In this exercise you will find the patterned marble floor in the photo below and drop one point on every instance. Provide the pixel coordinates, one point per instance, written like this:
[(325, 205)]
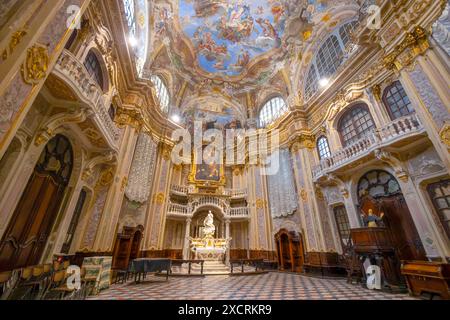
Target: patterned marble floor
[(270, 286)]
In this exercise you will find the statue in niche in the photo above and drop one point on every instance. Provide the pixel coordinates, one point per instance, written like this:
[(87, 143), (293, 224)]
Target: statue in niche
[(209, 229)]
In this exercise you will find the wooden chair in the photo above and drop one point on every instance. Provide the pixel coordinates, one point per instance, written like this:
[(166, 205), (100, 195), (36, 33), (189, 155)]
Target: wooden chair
[(21, 289), (87, 284), (58, 289)]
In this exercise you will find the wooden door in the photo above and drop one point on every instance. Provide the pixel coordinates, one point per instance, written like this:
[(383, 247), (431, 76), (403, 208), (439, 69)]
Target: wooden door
[(27, 233)]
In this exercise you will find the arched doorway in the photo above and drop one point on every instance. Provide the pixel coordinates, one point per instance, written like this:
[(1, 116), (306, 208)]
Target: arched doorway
[(290, 251), (380, 192), (27, 233)]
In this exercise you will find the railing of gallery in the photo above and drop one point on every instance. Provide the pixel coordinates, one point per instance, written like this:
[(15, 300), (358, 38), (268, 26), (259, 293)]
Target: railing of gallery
[(180, 189), (74, 72), (389, 133), (236, 193), (178, 209), (233, 193), (186, 210), (239, 212), (209, 201)]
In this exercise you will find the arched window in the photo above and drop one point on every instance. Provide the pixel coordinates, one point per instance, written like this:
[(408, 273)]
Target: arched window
[(161, 93), (271, 111), (94, 68), (323, 148), (396, 101), (331, 54), (355, 124)]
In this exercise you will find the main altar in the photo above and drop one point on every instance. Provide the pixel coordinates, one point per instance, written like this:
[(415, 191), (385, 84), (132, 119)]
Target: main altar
[(209, 248)]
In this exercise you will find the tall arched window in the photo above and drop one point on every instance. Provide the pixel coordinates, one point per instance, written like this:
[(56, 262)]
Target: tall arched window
[(355, 124), (331, 54), (161, 93), (396, 101), (271, 111), (323, 148), (94, 68)]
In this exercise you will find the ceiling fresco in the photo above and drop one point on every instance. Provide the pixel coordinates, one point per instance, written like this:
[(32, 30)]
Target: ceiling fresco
[(228, 34), (233, 40)]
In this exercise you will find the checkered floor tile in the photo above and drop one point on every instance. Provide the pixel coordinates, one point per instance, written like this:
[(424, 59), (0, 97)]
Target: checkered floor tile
[(270, 286)]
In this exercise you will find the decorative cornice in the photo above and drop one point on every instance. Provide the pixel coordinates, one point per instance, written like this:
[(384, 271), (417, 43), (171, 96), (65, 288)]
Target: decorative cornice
[(414, 44)]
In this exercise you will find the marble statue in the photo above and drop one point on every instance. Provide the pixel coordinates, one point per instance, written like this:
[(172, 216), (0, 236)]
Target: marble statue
[(209, 229)]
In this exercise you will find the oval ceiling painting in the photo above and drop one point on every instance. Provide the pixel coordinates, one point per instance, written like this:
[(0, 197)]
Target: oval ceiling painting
[(227, 35)]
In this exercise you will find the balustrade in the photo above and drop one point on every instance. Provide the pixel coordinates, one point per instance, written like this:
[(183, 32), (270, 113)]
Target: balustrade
[(387, 134), (73, 71)]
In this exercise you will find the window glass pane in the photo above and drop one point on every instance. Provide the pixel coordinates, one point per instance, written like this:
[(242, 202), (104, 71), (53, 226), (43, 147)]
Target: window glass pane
[(130, 15), (440, 195), (271, 111), (355, 124), (94, 69), (329, 57), (342, 223), (312, 83), (397, 101), (162, 93), (346, 30), (323, 148)]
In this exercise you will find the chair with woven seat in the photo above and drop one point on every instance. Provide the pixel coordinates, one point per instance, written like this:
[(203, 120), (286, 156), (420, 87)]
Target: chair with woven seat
[(58, 286)]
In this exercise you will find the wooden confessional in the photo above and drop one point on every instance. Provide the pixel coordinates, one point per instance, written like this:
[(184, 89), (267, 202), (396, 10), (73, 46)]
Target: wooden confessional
[(126, 247), (290, 250)]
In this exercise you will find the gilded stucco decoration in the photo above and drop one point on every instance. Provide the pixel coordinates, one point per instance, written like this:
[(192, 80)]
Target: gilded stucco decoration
[(35, 66)]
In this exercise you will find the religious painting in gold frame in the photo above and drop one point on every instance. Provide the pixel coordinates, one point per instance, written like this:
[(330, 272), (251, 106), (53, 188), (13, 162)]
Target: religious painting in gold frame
[(207, 174)]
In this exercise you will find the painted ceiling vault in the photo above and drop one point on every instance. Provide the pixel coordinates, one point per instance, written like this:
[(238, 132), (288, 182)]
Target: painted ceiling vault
[(228, 34)]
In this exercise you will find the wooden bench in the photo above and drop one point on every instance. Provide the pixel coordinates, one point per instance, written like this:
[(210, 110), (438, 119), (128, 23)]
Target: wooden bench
[(427, 277)]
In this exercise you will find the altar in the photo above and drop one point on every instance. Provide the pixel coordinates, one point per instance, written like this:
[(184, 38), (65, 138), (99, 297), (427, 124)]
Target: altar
[(209, 248)]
